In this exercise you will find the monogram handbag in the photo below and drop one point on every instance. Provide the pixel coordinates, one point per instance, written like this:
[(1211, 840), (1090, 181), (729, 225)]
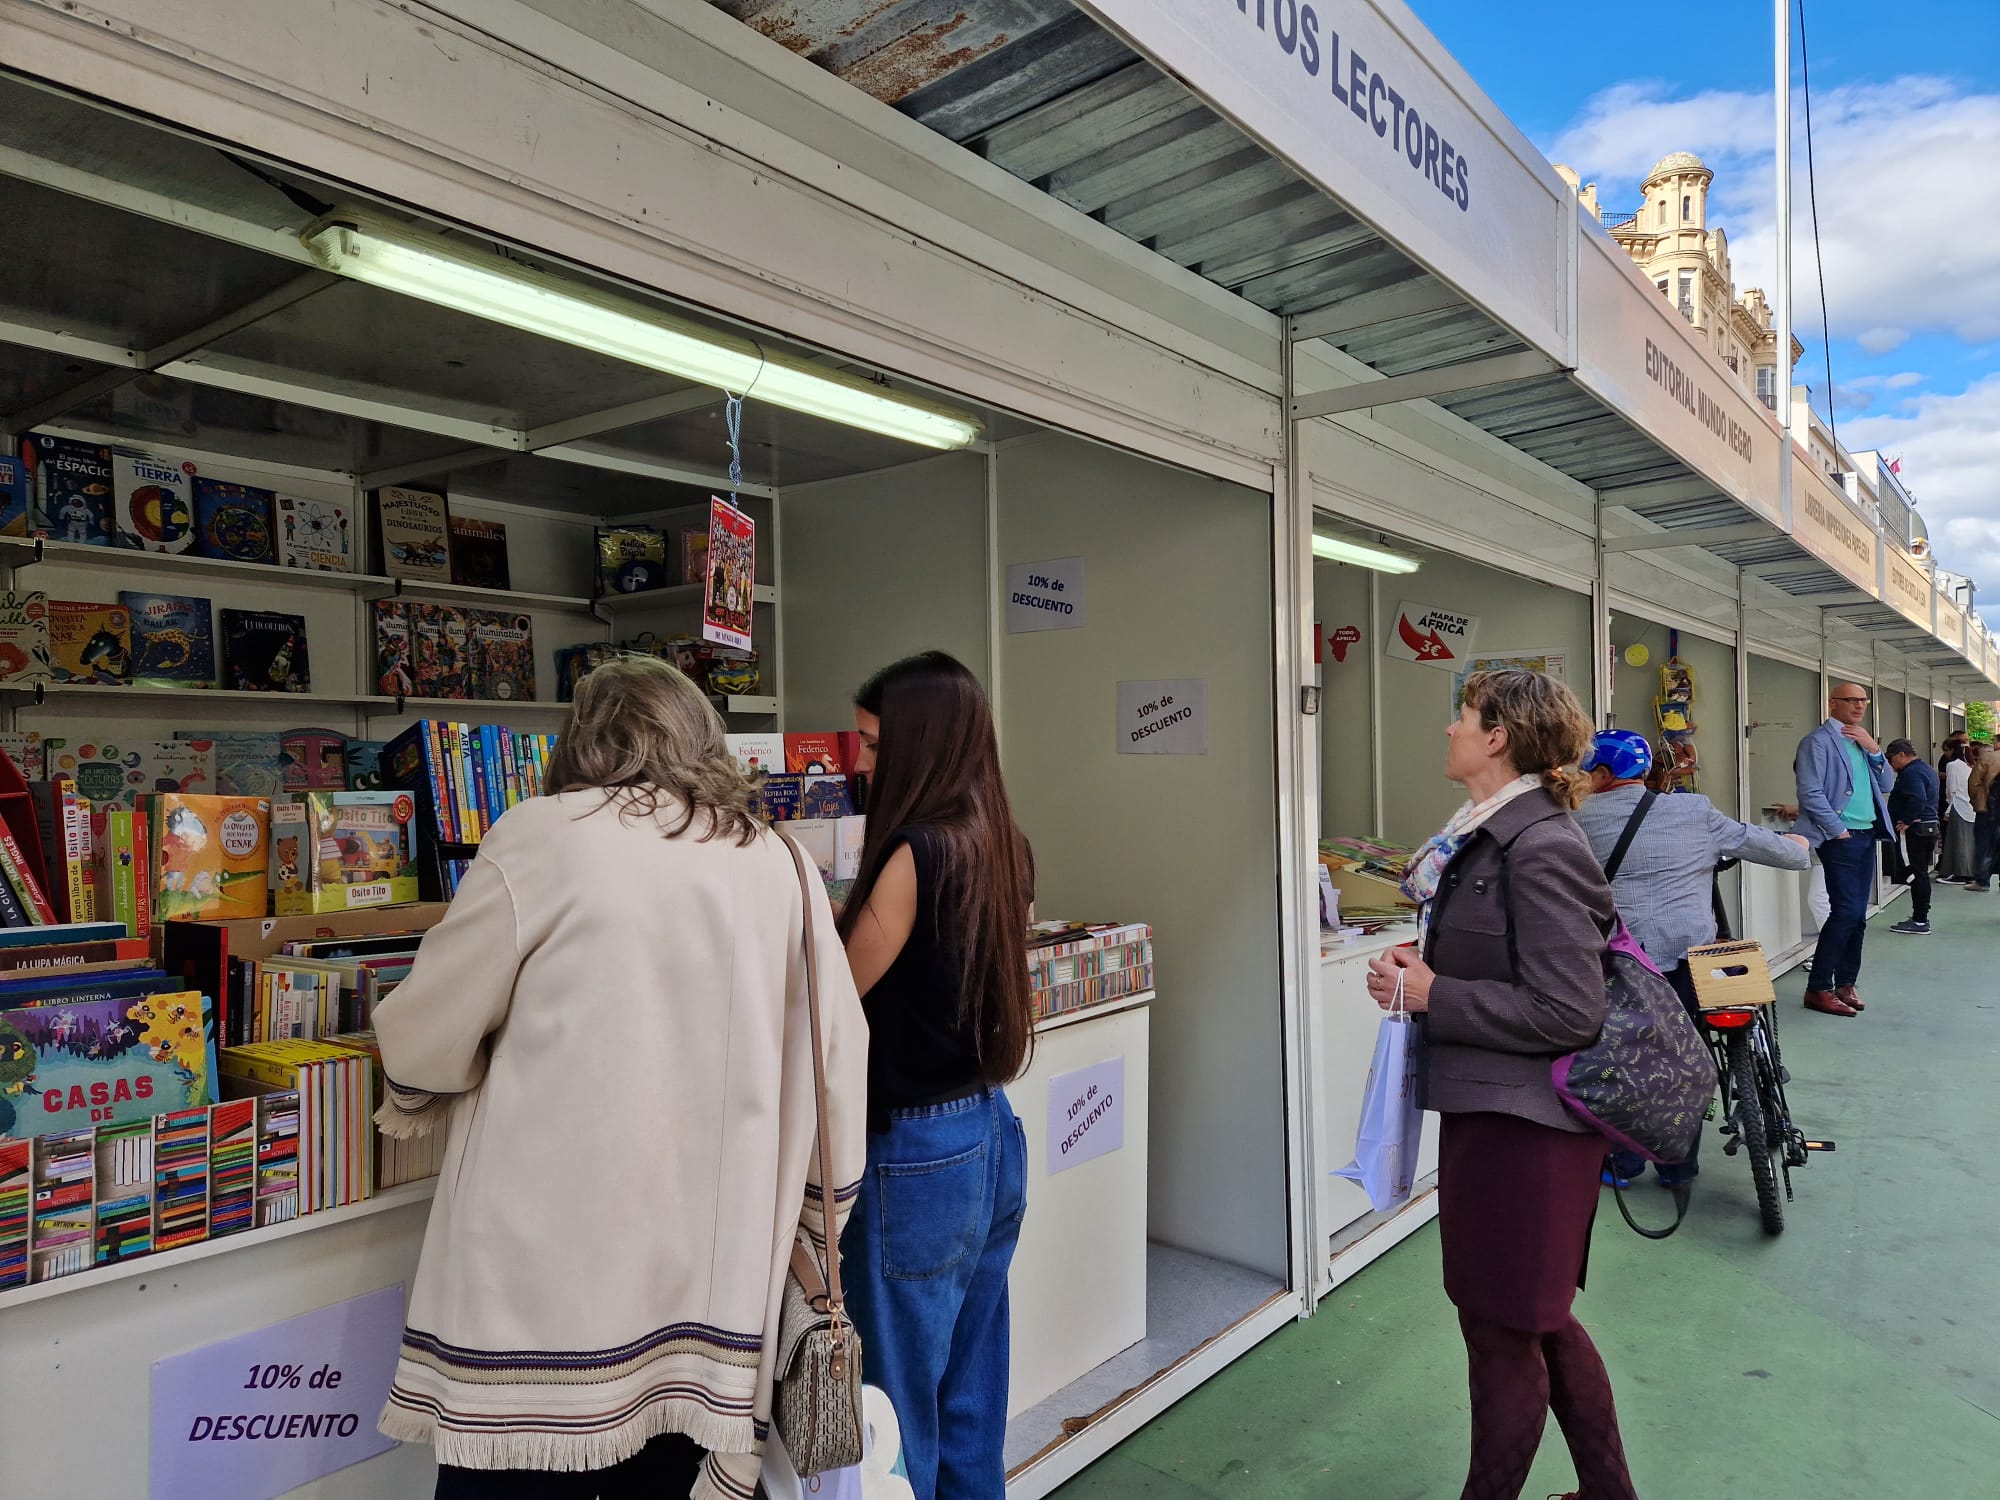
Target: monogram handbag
[(817, 1404)]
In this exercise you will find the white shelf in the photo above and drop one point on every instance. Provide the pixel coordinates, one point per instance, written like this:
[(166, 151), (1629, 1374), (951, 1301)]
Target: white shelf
[(679, 596), (412, 588), (18, 693), (145, 1265), (445, 708), (745, 706)]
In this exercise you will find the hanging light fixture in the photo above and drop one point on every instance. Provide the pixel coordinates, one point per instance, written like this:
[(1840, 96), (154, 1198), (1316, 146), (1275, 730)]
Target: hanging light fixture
[(435, 268), (1381, 559)]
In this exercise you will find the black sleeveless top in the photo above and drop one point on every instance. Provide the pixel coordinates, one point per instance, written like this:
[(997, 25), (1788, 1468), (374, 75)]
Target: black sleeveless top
[(922, 1049)]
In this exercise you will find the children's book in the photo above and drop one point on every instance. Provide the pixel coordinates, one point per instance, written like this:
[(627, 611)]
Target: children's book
[(694, 555), (780, 797), (155, 499), (24, 748), (758, 754), (442, 639), (115, 773), (315, 760), (825, 797), (416, 533), (246, 765), (395, 650), (124, 886), (173, 639), (503, 655), (362, 762), (24, 639), (233, 521), (316, 535), (265, 652), (73, 498), (630, 559), (343, 851), (106, 1061), (210, 856), (90, 642), (813, 754), (62, 818), (479, 553), (14, 493)]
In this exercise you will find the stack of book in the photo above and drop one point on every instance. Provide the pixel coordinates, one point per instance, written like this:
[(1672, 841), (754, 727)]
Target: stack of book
[(1073, 966), (336, 1090), (463, 777)]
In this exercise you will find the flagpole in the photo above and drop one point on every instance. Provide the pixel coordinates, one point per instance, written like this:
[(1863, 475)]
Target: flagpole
[(1783, 383)]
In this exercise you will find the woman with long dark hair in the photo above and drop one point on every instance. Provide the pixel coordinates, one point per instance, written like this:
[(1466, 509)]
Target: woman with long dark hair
[(936, 933)]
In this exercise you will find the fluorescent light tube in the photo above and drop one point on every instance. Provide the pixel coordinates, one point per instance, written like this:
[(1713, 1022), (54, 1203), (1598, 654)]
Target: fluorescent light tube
[(1339, 549), (429, 266)]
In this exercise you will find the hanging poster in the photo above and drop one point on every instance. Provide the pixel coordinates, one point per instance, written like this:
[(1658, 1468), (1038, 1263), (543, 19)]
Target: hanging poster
[(732, 575), (1435, 637)]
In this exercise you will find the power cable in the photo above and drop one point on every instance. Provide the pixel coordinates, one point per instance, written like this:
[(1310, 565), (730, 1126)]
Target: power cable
[(1819, 264)]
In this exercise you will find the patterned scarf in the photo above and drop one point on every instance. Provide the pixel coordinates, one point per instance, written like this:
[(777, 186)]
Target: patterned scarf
[(1428, 867)]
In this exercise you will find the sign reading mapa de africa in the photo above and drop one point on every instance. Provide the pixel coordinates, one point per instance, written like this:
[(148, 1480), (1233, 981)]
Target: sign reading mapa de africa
[(1436, 637)]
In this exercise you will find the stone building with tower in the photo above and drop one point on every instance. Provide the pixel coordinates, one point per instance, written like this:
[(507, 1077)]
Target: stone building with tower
[(1670, 239)]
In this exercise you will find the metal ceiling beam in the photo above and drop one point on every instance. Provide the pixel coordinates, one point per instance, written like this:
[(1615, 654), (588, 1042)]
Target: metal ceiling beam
[(1471, 375), (1697, 536), (1376, 308), (651, 468), (1661, 492), (631, 414), (424, 468), (73, 346), (343, 398), (106, 381)]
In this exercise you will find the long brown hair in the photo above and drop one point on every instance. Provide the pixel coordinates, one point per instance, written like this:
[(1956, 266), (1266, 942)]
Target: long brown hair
[(1547, 731), (938, 766), (648, 736)]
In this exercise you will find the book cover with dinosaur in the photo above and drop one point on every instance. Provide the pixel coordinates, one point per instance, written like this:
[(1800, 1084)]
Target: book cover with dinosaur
[(415, 527), (173, 640)]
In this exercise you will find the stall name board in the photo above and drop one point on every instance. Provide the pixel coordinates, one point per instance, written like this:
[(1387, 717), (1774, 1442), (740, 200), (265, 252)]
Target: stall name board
[(1348, 95), (1086, 1114), (1832, 532), (1909, 589), (1435, 637), (1681, 386), (1045, 596), (1163, 718), (265, 1412)]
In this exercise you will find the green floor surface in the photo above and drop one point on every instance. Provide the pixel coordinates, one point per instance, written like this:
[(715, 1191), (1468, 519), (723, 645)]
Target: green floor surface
[(1858, 1354)]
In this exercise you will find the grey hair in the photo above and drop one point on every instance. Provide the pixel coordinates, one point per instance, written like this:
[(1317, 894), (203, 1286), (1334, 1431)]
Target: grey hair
[(643, 732)]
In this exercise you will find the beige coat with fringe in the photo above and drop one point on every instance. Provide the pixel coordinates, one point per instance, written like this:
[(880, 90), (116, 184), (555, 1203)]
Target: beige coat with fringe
[(613, 1023)]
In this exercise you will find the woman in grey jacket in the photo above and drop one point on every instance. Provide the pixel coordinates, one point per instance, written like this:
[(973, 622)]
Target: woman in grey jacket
[(1507, 976)]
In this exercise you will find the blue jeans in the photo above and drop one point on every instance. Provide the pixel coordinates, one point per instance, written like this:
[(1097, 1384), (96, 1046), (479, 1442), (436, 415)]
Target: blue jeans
[(1850, 880), (925, 1257)]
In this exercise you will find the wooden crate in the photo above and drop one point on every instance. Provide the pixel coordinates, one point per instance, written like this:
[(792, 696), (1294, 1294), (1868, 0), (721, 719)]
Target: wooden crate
[(1728, 976)]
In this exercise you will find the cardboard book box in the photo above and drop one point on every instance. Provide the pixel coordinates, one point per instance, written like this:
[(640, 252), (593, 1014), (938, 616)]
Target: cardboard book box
[(343, 851)]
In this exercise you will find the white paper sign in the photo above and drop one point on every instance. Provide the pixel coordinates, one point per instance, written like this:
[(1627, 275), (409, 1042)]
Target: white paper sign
[(1163, 718), (1086, 1114), (1435, 637), (1045, 596)]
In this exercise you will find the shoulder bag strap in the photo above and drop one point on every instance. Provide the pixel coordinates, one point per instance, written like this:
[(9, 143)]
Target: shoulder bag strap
[(802, 1259), (1618, 852)]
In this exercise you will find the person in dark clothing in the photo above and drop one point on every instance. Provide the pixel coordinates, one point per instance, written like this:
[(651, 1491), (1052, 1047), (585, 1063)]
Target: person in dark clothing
[(1913, 809)]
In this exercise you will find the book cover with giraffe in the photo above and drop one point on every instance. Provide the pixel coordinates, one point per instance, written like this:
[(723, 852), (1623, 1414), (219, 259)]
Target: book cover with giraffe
[(173, 639)]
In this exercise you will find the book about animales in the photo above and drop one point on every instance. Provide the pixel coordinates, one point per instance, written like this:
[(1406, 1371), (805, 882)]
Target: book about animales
[(315, 760), (155, 499), (265, 652), (73, 498), (173, 639), (104, 1061), (90, 642), (479, 553), (246, 765), (416, 531), (316, 535), (24, 639), (233, 521), (211, 856), (503, 655)]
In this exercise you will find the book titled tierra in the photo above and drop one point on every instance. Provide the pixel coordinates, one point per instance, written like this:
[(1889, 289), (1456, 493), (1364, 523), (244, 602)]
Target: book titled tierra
[(479, 553)]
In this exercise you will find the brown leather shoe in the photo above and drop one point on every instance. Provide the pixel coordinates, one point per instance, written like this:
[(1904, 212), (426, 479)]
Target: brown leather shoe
[(1827, 1003), (1848, 996)]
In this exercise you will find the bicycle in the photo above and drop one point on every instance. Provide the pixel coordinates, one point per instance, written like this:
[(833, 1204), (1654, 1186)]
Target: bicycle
[(1740, 1022)]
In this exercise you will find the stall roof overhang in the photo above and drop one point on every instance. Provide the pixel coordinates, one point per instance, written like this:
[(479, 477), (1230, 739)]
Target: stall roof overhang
[(1110, 107)]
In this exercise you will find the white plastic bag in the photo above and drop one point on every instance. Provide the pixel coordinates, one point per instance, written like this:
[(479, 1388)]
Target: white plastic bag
[(1385, 1147), (881, 1474), (1817, 900)]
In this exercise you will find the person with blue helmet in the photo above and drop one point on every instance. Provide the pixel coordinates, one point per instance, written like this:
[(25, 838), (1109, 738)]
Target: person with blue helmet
[(1665, 884)]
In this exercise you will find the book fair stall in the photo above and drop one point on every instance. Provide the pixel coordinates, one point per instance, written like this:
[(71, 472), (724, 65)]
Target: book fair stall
[(285, 634), (369, 372)]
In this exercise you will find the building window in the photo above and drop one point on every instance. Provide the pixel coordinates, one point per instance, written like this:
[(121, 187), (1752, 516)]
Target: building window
[(1687, 210), (1767, 385), (1662, 285), (1687, 295), (1663, 211)]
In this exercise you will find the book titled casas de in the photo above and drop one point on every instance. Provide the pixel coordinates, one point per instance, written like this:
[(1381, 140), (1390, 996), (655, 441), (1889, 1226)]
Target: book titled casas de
[(109, 1060), (90, 641), (479, 553), (155, 502), (316, 535), (264, 651), (173, 639), (72, 499), (416, 531), (233, 521)]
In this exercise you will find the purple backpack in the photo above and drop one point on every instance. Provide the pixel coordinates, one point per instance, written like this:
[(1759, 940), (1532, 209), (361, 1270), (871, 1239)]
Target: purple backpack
[(1644, 1084)]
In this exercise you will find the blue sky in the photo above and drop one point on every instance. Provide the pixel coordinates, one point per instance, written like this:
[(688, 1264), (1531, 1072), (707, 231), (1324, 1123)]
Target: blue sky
[(1906, 117)]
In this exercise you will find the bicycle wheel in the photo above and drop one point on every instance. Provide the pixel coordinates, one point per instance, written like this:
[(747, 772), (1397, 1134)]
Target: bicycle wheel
[(1753, 1127)]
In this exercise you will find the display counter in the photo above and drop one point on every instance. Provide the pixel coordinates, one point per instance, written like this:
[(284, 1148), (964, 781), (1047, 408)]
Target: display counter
[(1078, 1283)]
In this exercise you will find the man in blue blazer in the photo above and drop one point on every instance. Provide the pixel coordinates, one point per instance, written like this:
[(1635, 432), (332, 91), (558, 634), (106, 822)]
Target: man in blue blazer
[(1843, 780)]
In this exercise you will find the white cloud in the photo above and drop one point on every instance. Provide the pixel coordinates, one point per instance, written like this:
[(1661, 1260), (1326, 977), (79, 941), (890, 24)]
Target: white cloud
[(1950, 446), (1906, 195)]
